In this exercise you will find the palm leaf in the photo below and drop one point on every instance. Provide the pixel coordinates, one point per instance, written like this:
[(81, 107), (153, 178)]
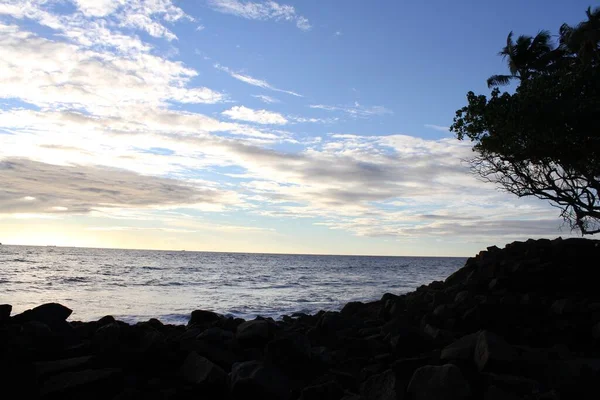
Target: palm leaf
[(499, 80)]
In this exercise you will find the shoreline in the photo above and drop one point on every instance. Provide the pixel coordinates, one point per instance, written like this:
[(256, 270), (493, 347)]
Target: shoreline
[(518, 322)]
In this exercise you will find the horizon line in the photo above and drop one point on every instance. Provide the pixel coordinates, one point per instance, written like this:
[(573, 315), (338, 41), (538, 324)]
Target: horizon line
[(234, 252)]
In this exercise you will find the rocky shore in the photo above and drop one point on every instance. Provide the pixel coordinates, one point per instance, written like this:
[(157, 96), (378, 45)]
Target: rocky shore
[(521, 322)]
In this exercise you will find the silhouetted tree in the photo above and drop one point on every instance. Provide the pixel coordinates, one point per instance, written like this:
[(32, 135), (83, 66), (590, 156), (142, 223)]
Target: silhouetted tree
[(543, 140)]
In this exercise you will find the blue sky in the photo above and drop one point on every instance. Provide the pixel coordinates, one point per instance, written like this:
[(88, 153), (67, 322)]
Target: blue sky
[(228, 125)]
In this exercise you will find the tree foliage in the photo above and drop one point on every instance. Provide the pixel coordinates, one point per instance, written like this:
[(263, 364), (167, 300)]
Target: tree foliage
[(543, 140)]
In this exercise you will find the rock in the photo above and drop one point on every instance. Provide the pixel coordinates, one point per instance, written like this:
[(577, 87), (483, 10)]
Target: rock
[(495, 393), (492, 351), (382, 386), (81, 384), (291, 352), (107, 319), (203, 317), (222, 356), (5, 310), (462, 349), (596, 331), (107, 337), (325, 391), (254, 332), (198, 370), (444, 382), (333, 322), (45, 368), (51, 314), (351, 308), (254, 380), (518, 385), (562, 306), (216, 335)]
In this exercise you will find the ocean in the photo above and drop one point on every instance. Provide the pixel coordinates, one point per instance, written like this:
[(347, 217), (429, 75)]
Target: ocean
[(136, 285)]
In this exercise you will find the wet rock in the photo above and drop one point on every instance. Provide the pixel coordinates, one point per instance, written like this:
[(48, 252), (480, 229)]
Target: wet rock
[(444, 382), (382, 386), (199, 370), (493, 352)]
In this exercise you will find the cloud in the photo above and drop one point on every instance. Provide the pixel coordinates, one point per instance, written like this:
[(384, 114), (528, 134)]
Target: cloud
[(265, 117), (355, 110), (200, 28), (438, 127), (261, 11), (253, 81), (266, 99), (81, 189), (67, 75)]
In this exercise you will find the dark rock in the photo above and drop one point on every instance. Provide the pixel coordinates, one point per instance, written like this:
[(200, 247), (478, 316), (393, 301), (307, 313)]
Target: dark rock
[(107, 319), (495, 393), (562, 306), (203, 317), (325, 391), (351, 308), (513, 384), (107, 337), (51, 314), (383, 386), (462, 349), (596, 331), (198, 370), (45, 368), (90, 383), (253, 379), (492, 351), (444, 382), (222, 356), (254, 332), (292, 352), (5, 310), (216, 335)]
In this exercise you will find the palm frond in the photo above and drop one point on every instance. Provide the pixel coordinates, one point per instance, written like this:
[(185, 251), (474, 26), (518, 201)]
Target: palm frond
[(499, 80)]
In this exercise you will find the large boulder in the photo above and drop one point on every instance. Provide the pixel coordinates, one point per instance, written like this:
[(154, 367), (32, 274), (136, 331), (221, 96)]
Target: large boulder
[(445, 382), (89, 383), (254, 333), (255, 380), (203, 318), (382, 386), (199, 370), (291, 352), (492, 352)]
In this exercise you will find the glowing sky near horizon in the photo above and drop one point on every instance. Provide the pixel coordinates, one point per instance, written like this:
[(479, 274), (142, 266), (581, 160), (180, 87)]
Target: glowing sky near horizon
[(227, 125)]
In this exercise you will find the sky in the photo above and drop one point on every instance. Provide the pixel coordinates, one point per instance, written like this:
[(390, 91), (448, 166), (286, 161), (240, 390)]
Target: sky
[(308, 126)]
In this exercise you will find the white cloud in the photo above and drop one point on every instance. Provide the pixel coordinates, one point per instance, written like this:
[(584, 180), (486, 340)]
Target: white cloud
[(261, 11), (253, 81), (356, 110), (266, 99), (63, 74), (242, 113), (200, 28)]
